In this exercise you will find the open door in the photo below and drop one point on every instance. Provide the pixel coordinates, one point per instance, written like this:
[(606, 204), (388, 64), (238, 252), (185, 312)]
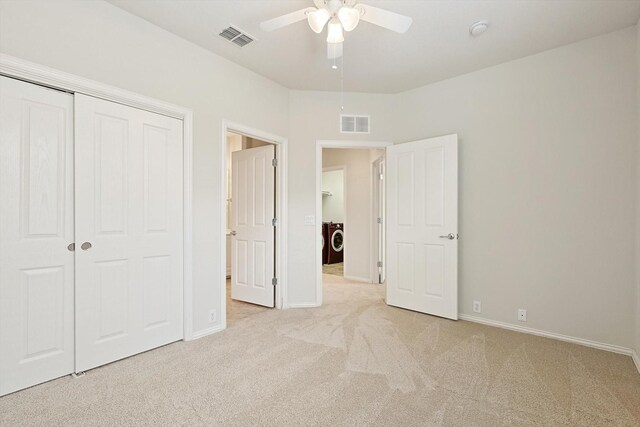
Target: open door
[(422, 226), (253, 237)]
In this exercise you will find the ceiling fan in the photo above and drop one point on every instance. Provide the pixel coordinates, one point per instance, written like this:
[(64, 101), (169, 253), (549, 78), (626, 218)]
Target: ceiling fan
[(340, 15)]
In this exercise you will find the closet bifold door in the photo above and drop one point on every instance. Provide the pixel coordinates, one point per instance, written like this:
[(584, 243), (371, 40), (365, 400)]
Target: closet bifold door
[(36, 226), (129, 232)]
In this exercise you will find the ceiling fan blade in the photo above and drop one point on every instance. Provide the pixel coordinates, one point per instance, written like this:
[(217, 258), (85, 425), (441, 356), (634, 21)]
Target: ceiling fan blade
[(334, 50), (284, 20), (384, 18)]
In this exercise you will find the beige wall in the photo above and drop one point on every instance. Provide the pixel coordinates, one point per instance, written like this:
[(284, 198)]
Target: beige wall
[(358, 223), (547, 184), (96, 40)]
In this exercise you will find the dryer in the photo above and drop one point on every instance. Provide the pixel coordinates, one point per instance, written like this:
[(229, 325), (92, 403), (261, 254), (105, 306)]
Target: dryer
[(335, 244)]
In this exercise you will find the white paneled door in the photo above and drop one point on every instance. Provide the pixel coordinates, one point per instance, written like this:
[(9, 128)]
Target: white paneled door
[(253, 192), (422, 226), (36, 225), (128, 191)]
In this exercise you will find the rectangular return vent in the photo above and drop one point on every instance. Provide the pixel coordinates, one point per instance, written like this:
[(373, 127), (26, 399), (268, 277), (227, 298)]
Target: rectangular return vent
[(354, 123), (236, 36)]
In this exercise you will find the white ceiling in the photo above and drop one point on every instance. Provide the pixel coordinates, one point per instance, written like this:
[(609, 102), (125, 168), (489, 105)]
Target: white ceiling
[(436, 47)]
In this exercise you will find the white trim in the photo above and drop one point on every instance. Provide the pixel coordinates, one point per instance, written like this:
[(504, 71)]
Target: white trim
[(304, 305), (24, 70), (282, 195), (531, 331), (376, 196), (320, 144), (208, 331), (358, 279), (636, 360), (29, 71)]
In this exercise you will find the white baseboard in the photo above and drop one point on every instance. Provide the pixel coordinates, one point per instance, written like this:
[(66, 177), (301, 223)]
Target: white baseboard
[(304, 305), (357, 279), (636, 360), (553, 335), (208, 331)]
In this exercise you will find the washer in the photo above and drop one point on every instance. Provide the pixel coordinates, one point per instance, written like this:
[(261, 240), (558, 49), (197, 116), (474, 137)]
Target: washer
[(335, 245)]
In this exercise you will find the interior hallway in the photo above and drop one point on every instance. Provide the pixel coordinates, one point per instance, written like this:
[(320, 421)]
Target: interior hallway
[(354, 361)]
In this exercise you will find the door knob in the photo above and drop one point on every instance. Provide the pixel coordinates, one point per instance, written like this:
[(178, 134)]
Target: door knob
[(85, 246), (233, 232), (449, 236), (71, 247)]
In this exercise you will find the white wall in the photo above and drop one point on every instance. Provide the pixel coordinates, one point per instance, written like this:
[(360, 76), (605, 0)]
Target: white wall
[(315, 116), (96, 40), (358, 183), (547, 184), (333, 203), (637, 313), (548, 157)]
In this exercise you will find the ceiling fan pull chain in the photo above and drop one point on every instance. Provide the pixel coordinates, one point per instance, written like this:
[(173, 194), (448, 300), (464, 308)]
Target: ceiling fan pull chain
[(342, 81)]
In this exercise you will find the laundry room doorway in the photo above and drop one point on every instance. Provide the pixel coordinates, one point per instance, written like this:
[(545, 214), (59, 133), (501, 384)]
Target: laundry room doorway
[(347, 228)]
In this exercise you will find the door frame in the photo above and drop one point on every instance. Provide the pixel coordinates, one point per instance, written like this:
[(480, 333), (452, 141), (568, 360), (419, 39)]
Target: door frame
[(330, 143), (281, 203), (20, 69), (377, 200)]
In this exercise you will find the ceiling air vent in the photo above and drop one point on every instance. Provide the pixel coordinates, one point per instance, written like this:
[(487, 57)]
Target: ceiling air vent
[(354, 124), (236, 36)]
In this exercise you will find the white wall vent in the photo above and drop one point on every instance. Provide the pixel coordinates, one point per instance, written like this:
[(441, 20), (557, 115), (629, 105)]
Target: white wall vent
[(236, 36), (350, 123)]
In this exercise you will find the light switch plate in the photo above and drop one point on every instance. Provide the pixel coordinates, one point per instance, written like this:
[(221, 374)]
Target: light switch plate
[(309, 220)]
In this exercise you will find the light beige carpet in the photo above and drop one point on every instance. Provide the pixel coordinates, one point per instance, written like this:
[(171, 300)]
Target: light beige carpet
[(355, 361)]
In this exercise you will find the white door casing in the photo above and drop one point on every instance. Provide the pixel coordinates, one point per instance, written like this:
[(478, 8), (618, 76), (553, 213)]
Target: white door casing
[(129, 199), (253, 244), (36, 225), (379, 205), (422, 213)]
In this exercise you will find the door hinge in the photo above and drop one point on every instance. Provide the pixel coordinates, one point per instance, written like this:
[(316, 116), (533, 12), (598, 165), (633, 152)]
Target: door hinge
[(379, 220), (379, 264), (274, 163), (274, 222), (274, 281)]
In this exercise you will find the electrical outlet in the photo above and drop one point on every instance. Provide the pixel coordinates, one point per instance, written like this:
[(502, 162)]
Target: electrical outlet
[(212, 316), (477, 307), (522, 315)]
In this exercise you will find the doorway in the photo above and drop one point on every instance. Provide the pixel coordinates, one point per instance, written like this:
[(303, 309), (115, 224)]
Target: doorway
[(250, 236), (253, 200), (346, 215)]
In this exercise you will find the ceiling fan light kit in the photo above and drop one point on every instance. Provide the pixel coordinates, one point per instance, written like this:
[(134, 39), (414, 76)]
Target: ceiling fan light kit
[(349, 17), (339, 15), (334, 31), (317, 19)]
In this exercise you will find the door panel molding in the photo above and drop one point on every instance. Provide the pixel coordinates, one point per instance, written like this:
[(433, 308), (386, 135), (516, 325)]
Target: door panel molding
[(281, 264), (422, 211), (42, 75)]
